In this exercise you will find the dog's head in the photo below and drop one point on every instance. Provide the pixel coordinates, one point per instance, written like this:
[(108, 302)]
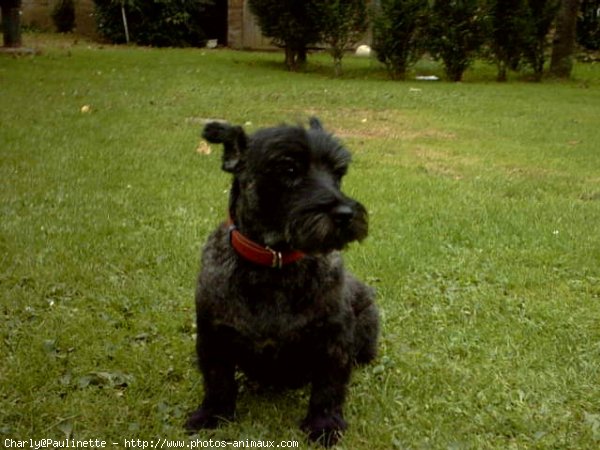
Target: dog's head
[(286, 192)]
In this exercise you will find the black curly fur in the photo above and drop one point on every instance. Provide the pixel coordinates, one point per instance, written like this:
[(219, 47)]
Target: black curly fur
[(308, 322)]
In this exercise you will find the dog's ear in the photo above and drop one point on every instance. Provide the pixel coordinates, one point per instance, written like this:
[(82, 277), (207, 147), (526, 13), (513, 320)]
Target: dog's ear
[(315, 124), (234, 142)]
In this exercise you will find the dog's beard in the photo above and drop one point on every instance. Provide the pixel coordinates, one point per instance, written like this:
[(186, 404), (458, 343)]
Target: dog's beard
[(315, 232)]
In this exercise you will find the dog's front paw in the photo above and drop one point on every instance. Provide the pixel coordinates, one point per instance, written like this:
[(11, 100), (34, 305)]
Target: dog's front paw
[(203, 418), (324, 429)]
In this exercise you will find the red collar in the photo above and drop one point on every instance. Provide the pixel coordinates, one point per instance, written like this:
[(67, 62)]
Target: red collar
[(256, 253)]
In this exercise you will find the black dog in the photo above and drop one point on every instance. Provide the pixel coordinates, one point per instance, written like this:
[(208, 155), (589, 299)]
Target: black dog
[(273, 299)]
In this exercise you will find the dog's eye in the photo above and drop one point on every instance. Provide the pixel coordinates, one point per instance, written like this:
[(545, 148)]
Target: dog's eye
[(288, 167)]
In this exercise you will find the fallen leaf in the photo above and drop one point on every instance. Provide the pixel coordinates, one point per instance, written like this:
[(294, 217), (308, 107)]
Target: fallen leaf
[(204, 148)]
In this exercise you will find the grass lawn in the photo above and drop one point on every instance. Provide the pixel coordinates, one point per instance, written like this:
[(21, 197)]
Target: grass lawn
[(484, 201)]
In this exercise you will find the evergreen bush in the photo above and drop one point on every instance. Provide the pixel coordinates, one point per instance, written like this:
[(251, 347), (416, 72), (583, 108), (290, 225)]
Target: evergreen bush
[(397, 40), (507, 34), (342, 24), (541, 15), (455, 34), (291, 24)]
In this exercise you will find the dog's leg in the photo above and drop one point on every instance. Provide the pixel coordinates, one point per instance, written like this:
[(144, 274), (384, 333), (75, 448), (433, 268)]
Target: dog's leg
[(220, 393), (325, 422), (367, 319), (366, 334)]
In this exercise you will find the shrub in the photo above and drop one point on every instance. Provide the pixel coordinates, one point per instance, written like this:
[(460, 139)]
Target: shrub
[(507, 31), (160, 23), (518, 33), (395, 34), (342, 24), (455, 34), (291, 24), (541, 15), (63, 16)]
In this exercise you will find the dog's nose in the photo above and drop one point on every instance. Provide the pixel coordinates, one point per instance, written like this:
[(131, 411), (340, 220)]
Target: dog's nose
[(342, 215)]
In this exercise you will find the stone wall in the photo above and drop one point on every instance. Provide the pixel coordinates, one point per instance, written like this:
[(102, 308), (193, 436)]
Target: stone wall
[(243, 31), (235, 22)]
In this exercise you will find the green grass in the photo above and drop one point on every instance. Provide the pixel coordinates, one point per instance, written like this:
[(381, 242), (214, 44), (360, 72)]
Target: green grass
[(484, 246)]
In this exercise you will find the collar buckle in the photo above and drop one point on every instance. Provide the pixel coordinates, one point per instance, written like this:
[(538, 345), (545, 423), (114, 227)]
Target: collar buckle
[(277, 262)]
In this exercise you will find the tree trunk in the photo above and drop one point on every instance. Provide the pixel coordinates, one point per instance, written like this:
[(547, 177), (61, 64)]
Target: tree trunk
[(125, 25), (295, 58), (502, 72), (290, 58), (564, 42), (302, 56), (538, 66), (337, 67), (337, 53)]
